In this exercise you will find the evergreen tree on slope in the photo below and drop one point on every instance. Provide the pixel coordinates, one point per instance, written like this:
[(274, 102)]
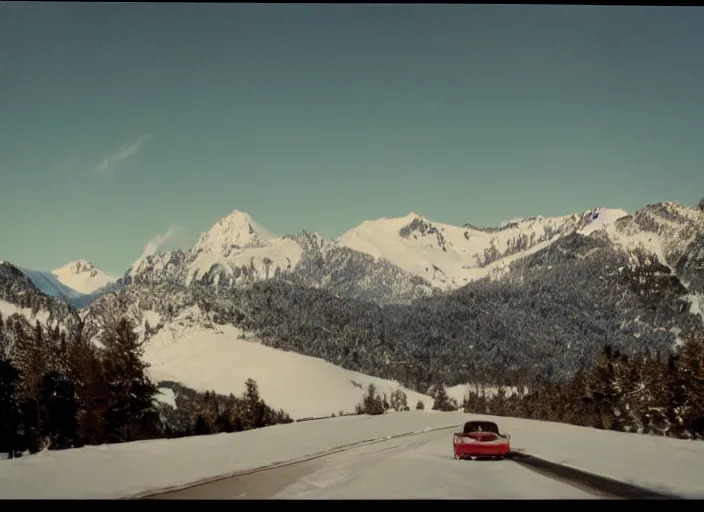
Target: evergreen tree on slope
[(86, 370), (131, 414)]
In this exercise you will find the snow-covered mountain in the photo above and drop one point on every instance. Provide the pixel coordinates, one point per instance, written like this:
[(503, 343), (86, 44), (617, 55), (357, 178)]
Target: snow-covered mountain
[(19, 295), (237, 251), (394, 260), (82, 276), (636, 277), (670, 234), (236, 248), (451, 256), (385, 260), (539, 293), (78, 283), (49, 284)]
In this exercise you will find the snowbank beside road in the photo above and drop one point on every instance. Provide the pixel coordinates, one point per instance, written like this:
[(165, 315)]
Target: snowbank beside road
[(674, 466)]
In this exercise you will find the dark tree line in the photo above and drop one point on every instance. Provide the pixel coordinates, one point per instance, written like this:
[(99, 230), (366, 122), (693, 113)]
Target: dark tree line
[(373, 403), (644, 393), (59, 390), (211, 413)]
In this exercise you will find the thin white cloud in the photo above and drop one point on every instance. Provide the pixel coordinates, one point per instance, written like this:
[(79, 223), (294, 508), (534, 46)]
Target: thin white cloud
[(157, 242), (106, 166)]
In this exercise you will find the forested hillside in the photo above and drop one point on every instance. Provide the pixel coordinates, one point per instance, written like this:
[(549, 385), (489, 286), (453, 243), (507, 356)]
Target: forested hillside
[(59, 390), (646, 393), (550, 316)]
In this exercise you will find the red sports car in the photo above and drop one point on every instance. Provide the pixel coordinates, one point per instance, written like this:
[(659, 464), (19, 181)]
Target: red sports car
[(480, 439)]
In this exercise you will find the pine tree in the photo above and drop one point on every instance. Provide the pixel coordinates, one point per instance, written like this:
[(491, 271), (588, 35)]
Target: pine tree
[(93, 398), (4, 344), (498, 402), (63, 347), (399, 401), (53, 340), (253, 414), (676, 397), (131, 414), (607, 390), (32, 361), (87, 372), (420, 405), (654, 414), (31, 356), (59, 406), (690, 369), (9, 408), (201, 427), (441, 400), (223, 422), (371, 402), (209, 409)]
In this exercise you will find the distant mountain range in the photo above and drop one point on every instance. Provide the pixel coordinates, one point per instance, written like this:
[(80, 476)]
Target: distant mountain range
[(384, 260), (78, 282), (409, 298)]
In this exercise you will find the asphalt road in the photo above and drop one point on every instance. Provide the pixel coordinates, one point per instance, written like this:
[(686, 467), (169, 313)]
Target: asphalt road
[(419, 466)]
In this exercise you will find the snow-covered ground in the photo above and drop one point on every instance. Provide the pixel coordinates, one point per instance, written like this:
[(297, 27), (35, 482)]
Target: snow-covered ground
[(668, 465), (674, 466), (216, 360), (405, 467), (414, 467)]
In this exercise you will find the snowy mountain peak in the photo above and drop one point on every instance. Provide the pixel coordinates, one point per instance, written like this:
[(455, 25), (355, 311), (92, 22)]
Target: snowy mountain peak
[(82, 276), (234, 231), (600, 218), (76, 267)]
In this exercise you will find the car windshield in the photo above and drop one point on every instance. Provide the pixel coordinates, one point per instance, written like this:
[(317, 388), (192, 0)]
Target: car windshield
[(480, 426)]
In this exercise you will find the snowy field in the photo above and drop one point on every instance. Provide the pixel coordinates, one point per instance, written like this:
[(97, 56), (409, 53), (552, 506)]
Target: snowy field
[(206, 360), (217, 360), (666, 465)]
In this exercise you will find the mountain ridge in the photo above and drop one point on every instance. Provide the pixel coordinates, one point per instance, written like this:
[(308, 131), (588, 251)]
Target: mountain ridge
[(77, 282), (237, 251), (545, 305)]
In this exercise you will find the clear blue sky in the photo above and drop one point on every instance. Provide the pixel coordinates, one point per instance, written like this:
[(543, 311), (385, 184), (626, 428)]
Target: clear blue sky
[(118, 121)]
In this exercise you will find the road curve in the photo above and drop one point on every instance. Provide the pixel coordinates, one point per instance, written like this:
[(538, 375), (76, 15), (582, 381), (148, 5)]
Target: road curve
[(419, 466)]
